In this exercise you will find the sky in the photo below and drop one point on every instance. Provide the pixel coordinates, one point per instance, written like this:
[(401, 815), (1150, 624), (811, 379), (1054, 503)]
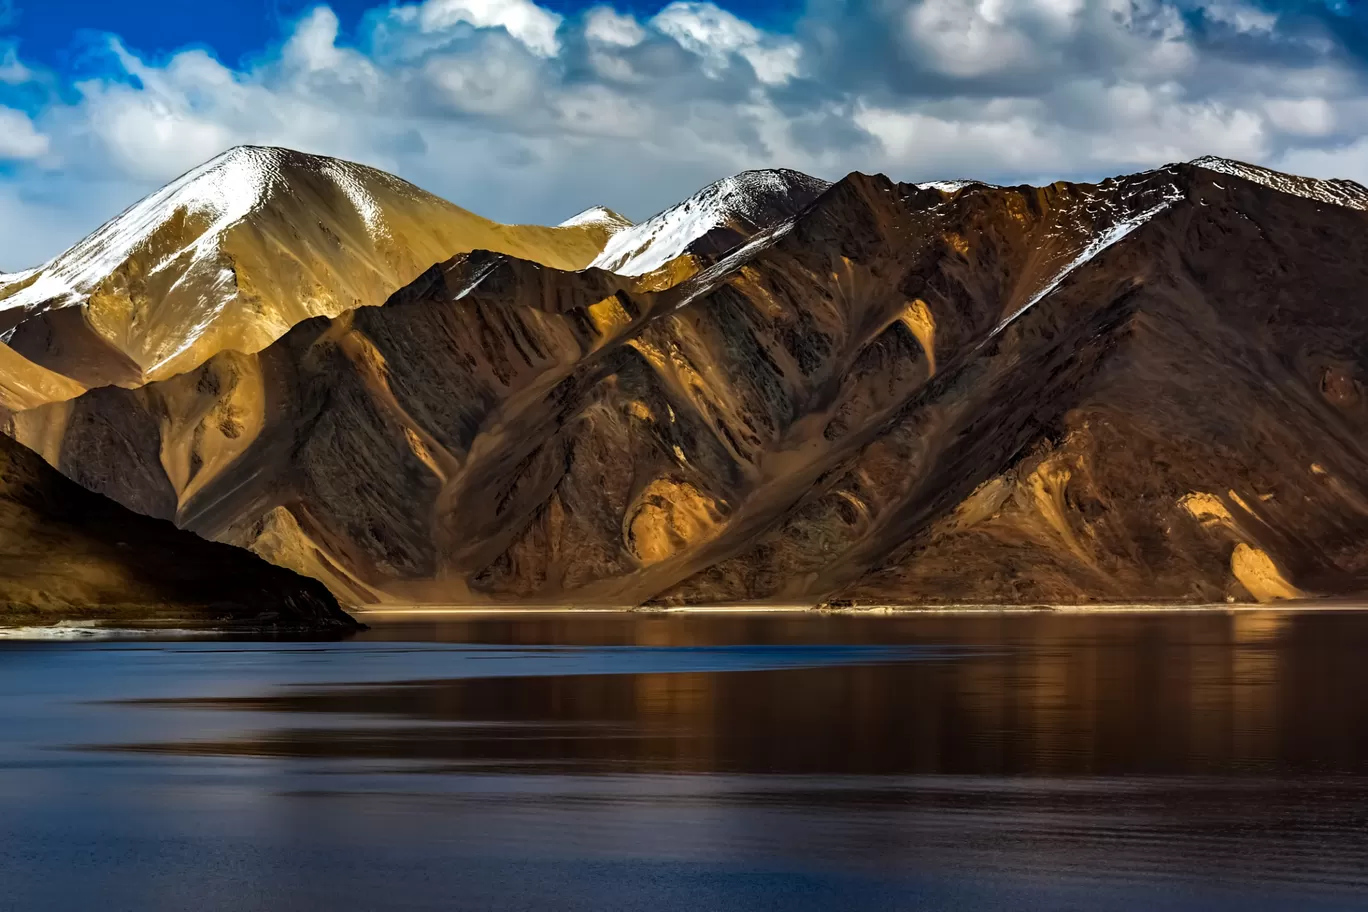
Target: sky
[(532, 111)]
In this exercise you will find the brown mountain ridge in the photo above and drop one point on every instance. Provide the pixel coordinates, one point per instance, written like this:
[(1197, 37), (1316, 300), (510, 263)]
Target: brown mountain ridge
[(1144, 390)]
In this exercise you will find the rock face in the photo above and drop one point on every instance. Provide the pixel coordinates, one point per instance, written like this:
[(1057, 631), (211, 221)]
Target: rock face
[(232, 255), (67, 553), (1145, 390)]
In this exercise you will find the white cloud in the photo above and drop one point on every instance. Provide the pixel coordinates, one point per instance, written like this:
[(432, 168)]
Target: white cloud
[(18, 137), (313, 49), (1301, 116), (605, 25), (958, 148), (715, 34), (1241, 17), (600, 112), (494, 80), (964, 37), (175, 118), (518, 113), (970, 39), (524, 20)]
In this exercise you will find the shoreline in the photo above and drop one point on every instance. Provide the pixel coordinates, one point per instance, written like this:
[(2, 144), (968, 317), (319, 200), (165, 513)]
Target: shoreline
[(79, 629), (85, 629), (1289, 607)]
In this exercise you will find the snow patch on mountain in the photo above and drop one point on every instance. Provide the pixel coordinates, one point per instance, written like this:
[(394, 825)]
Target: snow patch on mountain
[(762, 241), (709, 279), (14, 278), (951, 186), (345, 175), (474, 281), (225, 190), (1334, 191), (658, 240), (598, 215), (216, 297), (1095, 246)]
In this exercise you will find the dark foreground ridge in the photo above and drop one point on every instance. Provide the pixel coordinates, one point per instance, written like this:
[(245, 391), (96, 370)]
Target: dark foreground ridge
[(69, 554)]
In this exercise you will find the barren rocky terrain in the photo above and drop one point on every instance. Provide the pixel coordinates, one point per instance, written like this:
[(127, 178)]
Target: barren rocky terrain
[(1144, 390)]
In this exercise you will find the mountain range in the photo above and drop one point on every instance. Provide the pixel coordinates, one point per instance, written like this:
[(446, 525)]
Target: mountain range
[(234, 253), (1146, 390)]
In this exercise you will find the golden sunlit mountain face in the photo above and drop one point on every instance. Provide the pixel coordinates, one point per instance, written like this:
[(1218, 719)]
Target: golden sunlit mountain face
[(232, 255), (1143, 390)]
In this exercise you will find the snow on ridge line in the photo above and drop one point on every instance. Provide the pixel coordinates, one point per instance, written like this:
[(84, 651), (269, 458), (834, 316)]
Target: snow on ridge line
[(343, 174), (707, 280), (226, 189), (1336, 191), (14, 278), (650, 245), (950, 186), (1094, 247)]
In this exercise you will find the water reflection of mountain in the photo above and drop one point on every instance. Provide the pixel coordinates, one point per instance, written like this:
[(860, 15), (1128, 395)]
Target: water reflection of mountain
[(1040, 695)]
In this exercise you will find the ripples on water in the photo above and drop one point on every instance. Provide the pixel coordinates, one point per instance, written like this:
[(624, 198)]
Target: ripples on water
[(1190, 761)]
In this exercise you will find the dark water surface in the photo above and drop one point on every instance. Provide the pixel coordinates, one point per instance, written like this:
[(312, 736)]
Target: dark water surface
[(697, 762)]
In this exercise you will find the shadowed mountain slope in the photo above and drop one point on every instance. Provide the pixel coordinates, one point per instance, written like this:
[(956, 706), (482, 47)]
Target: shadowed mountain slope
[(1148, 389), (68, 553)]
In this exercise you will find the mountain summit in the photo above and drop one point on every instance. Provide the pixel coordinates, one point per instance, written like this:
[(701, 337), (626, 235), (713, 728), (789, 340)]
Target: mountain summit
[(230, 256), (713, 220), (1334, 191)]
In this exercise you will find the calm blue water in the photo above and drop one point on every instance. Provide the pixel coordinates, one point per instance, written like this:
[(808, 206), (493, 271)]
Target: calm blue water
[(606, 762)]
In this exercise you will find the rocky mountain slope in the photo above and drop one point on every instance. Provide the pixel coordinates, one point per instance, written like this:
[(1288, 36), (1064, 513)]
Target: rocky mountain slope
[(1148, 389), (66, 553), (714, 220), (230, 256)]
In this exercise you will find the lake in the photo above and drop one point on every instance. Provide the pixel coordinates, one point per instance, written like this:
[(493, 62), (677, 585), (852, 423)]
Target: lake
[(1133, 761)]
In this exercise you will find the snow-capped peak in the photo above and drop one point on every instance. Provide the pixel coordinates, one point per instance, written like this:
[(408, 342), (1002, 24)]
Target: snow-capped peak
[(224, 190), (598, 215), (755, 198), (1336, 192)]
